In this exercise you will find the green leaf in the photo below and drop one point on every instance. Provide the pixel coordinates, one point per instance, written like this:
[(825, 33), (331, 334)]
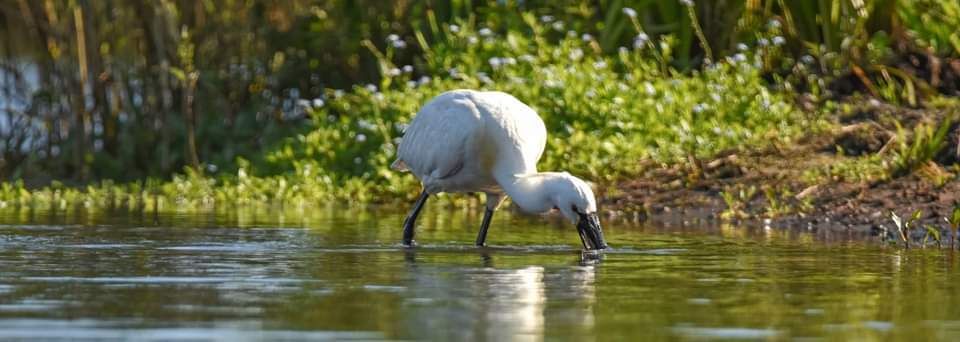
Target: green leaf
[(178, 73), (916, 215), (933, 231), (955, 216)]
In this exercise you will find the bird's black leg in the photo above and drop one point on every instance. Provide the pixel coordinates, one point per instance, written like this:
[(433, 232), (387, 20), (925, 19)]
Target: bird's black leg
[(493, 201), (411, 220), (482, 235)]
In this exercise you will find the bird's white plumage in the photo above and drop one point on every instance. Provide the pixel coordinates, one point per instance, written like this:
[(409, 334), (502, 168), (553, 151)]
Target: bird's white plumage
[(458, 140), (471, 141)]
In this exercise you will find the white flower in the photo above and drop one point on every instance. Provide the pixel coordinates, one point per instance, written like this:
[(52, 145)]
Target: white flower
[(338, 93), (411, 84), (630, 12), (742, 47), (778, 40), (372, 88), (807, 59), (407, 68), (357, 160), (649, 88), (622, 49), (393, 72), (482, 76), (640, 41), (423, 80), (472, 40), (546, 19), (393, 37), (509, 60), (303, 103), (318, 102), (366, 125), (739, 57), (528, 58), (773, 24), (494, 62), (454, 28), (686, 2), (361, 137), (485, 32), (557, 26), (399, 44), (763, 42), (600, 64), (699, 108), (576, 54), (586, 37)]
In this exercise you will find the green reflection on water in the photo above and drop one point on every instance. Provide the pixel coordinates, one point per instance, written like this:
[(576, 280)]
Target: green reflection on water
[(340, 273)]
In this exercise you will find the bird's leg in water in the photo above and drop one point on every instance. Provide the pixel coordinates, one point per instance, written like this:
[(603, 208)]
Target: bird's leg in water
[(493, 201), (482, 235), (411, 220)]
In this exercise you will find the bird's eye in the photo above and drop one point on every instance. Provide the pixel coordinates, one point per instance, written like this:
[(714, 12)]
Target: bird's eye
[(576, 210)]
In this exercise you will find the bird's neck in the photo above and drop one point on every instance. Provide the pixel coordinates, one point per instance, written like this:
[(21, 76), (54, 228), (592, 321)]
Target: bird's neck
[(531, 192)]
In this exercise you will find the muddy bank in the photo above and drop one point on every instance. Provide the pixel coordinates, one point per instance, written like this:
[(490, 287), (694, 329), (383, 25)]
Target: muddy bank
[(846, 178)]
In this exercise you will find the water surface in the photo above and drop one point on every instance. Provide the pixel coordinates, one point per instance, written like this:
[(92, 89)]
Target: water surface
[(337, 273)]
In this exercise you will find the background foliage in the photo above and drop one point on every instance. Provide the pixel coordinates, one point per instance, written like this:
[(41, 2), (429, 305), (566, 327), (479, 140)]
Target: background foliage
[(305, 100)]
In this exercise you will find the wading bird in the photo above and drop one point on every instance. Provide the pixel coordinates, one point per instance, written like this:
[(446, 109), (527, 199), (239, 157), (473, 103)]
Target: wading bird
[(472, 141)]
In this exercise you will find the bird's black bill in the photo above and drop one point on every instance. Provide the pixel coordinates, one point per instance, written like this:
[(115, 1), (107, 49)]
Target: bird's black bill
[(590, 233)]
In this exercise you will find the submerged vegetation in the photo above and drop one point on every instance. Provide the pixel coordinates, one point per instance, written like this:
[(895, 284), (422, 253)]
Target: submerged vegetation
[(304, 102)]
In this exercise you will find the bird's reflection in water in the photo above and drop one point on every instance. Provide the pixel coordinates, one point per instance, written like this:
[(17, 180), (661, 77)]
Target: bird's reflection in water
[(456, 302)]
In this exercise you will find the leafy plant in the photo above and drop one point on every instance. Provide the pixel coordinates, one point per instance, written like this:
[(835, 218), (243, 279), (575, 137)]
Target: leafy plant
[(954, 222), (904, 227), (779, 202), (737, 201), (931, 231), (936, 24), (925, 145)]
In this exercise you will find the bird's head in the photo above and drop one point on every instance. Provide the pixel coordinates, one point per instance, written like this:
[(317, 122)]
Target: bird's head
[(574, 198)]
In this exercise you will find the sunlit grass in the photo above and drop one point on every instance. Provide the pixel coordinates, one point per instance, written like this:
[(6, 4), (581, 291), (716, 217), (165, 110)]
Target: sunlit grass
[(604, 114)]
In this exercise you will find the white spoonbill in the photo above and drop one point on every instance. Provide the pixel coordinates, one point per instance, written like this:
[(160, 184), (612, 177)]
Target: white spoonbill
[(473, 141)]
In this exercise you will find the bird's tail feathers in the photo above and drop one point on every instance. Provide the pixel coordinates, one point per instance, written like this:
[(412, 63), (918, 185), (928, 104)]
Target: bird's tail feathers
[(399, 165)]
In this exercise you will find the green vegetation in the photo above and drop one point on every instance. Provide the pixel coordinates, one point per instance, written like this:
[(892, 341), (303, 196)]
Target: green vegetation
[(930, 231), (954, 222), (926, 144), (297, 103), (904, 227), (737, 201)]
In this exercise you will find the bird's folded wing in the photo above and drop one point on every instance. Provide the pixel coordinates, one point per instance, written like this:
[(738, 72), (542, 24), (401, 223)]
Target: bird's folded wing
[(437, 140)]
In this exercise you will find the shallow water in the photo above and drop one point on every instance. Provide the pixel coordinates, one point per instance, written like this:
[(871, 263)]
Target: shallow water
[(340, 274)]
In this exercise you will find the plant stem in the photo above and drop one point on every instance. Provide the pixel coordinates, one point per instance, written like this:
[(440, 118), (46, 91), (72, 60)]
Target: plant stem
[(691, 11)]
